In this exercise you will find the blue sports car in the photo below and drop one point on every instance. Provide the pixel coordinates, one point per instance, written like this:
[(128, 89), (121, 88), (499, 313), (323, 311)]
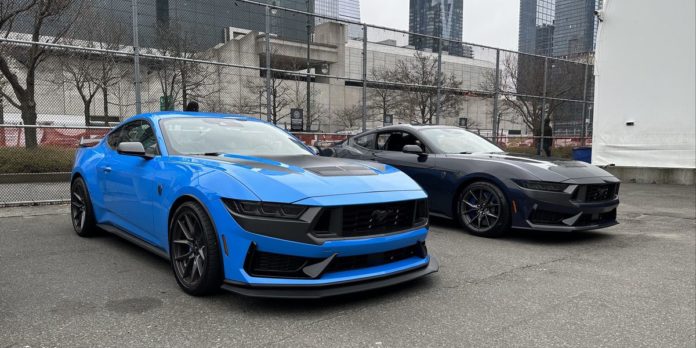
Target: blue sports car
[(238, 203)]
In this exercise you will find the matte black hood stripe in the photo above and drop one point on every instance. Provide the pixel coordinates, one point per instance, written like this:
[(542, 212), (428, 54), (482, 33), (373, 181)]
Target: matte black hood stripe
[(323, 166)]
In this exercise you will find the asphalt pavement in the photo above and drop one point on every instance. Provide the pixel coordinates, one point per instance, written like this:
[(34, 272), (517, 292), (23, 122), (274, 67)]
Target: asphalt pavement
[(626, 286)]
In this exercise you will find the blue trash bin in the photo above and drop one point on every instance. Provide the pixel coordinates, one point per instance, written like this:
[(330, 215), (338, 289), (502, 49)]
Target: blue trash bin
[(583, 153)]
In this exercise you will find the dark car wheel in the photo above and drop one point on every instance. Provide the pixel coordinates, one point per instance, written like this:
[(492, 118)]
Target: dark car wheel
[(194, 252), (483, 210), (81, 212)]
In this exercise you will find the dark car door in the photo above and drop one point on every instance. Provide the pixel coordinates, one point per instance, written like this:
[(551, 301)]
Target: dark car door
[(127, 181), (360, 147), (421, 168)]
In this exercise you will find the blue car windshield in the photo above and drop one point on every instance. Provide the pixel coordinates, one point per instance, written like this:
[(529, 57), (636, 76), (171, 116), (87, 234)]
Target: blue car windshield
[(457, 140), (214, 136)]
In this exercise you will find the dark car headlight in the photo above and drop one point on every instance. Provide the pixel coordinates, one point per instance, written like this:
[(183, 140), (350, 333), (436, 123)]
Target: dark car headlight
[(265, 209), (542, 185)]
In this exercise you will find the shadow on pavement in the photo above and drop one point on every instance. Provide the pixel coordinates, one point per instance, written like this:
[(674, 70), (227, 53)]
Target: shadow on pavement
[(529, 236)]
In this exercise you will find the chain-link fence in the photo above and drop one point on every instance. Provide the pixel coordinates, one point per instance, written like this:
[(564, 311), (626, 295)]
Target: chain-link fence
[(74, 68)]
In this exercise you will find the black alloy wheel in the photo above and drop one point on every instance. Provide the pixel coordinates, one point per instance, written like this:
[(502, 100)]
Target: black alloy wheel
[(81, 213), (483, 210), (194, 252)]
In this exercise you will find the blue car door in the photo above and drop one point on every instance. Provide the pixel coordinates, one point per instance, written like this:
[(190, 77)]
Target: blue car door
[(128, 181)]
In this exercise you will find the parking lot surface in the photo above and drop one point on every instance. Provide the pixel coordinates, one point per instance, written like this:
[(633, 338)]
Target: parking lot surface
[(629, 285)]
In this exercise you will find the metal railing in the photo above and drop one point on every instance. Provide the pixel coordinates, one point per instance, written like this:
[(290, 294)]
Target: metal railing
[(100, 62)]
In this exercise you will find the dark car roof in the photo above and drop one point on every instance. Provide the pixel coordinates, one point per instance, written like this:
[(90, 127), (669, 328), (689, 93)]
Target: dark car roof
[(405, 127)]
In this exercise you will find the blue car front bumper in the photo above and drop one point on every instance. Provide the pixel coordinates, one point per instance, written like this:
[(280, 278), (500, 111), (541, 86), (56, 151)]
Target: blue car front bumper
[(267, 266), (319, 290)]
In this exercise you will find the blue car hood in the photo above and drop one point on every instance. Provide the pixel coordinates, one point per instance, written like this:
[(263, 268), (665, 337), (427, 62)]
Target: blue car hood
[(289, 179)]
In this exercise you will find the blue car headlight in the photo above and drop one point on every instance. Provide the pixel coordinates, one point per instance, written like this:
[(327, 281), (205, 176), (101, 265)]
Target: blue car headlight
[(541, 185), (265, 209)]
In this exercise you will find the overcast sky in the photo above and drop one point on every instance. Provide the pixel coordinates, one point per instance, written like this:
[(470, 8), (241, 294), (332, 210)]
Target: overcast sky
[(487, 22)]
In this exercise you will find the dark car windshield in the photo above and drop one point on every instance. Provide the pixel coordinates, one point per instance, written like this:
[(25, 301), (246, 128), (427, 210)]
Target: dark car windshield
[(457, 140), (211, 135)]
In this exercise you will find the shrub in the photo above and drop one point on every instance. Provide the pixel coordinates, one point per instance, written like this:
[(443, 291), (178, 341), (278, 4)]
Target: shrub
[(39, 160)]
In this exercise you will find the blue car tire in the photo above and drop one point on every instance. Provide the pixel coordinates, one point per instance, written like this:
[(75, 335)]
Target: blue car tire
[(194, 251), (81, 212)]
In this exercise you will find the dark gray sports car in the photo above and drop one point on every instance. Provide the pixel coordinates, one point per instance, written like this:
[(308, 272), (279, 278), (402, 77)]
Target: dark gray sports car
[(469, 179)]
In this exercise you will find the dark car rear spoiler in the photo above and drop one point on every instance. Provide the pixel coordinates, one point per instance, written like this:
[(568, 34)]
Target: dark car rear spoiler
[(89, 142)]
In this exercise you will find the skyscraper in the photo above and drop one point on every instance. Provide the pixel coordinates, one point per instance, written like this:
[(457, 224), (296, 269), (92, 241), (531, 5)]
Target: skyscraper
[(341, 9), (558, 28), (441, 18)]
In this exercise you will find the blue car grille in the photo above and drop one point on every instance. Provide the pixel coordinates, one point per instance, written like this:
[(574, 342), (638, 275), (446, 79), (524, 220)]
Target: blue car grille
[(371, 219), (265, 264)]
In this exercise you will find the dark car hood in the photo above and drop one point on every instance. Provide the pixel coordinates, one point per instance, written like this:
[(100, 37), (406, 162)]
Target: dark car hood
[(292, 178), (545, 168)]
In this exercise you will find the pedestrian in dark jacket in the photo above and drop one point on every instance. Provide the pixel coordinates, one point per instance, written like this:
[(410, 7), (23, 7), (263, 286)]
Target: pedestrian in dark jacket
[(191, 106), (547, 140)]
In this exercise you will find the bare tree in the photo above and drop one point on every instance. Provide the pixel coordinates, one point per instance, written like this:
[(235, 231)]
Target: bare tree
[(111, 36), (79, 70), (3, 84), (382, 99), (522, 87), (349, 117), (17, 62), (420, 96), (181, 78), (317, 111), (280, 97)]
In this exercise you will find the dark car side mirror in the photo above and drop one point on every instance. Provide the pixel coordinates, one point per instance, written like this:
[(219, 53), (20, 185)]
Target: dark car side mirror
[(133, 149), (414, 149)]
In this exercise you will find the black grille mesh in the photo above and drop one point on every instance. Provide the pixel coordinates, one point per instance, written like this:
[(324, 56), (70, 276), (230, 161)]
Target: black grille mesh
[(264, 264), (360, 220)]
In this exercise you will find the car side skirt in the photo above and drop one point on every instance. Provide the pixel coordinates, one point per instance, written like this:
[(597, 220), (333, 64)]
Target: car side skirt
[(135, 240)]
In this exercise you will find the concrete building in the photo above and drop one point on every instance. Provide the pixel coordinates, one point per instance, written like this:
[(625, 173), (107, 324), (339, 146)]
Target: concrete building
[(439, 18), (343, 10), (202, 22), (241, 88)]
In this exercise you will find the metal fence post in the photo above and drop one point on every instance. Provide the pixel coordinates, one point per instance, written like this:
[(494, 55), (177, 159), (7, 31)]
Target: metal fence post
[(584, 106), (543, 107), (364, 79), (496, 87), (269, 111), (439, 80), (309, 76), (136, 58)]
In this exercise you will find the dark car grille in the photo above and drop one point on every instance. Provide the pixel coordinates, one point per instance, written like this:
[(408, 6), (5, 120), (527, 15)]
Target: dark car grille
[(371, 219), (264, 264), (596, 193), (545, 217)]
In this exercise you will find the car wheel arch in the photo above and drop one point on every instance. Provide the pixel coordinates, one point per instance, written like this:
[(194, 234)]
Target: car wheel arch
[(191, 198), (178, 202), (464, 182)]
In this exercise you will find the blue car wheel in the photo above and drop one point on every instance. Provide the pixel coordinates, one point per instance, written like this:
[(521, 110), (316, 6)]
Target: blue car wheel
[(194, 251), (81, 213)]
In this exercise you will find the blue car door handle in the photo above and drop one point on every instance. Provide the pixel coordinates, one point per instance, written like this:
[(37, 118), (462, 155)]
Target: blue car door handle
[(106, 169)]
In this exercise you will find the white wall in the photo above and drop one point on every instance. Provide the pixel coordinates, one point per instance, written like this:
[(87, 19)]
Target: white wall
[(645, 73)]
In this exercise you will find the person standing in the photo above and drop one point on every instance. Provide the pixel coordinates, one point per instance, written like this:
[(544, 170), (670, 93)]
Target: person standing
[(547, 139), (192, 106)]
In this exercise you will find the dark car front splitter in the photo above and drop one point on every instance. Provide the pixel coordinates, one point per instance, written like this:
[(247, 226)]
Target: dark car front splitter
[(321, 291)]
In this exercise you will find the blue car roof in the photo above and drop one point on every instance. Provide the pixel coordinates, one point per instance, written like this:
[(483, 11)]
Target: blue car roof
[(156, 116)]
